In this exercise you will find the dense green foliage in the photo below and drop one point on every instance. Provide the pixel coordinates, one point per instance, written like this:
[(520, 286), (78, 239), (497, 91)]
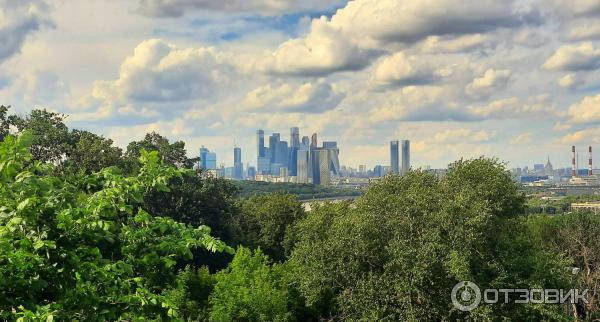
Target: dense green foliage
[(265, 221), (250, 290), (87, 250), (89, 233), (409, 240)]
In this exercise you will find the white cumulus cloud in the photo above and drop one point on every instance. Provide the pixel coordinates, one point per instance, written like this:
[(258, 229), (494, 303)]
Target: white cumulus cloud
[(583, 57), (308, 98), (585, 111), (492, 81)]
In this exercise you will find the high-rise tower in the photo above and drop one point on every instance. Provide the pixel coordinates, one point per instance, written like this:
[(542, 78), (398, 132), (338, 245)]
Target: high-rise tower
[(238, 166), (294, 137), (260, 143), (405, 156), (273, 145), (395, 157)]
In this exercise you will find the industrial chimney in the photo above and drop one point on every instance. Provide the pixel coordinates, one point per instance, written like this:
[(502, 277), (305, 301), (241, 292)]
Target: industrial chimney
[(573, 160), (590, 161)]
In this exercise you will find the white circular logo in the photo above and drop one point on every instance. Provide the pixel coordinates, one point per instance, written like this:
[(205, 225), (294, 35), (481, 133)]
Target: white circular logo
[(466, 296)]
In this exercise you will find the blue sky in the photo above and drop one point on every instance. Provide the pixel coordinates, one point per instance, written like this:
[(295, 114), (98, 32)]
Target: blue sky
[(514, 79)]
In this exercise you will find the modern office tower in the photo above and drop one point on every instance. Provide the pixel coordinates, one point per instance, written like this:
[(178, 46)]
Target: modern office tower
[(293, 160), (208, 160), (313, 141), (394, 157), (260, 143), (282, 153), (303, 162), (405, 156), (292, 152), (264, 165), (251, 172), (273, 144), (334, 152), (294, 137), (238, 166), (263, 158), (306, 142), (323, 163)]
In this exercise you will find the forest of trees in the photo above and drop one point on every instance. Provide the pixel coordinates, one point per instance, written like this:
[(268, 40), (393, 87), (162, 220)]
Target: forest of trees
[(92, 232)]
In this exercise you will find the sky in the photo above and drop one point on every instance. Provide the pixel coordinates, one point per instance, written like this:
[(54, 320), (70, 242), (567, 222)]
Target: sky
[(517, 80)]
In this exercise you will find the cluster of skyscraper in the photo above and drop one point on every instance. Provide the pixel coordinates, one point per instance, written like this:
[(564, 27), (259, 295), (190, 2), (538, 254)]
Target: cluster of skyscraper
[(302, 159), (395, 157), (208, 160)]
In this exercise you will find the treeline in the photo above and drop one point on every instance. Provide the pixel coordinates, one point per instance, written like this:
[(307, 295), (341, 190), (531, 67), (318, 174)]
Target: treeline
[(129, 239), (304, 191), (557, 205)]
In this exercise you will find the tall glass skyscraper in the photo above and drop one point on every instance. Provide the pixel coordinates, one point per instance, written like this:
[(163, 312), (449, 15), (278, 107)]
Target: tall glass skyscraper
[(208, 160), (303, 162), (238, 166), (294, 137), (263, 157), (405, 156), (273, 146), (260, 143), (395, 157), (334, 153), (306, 142)]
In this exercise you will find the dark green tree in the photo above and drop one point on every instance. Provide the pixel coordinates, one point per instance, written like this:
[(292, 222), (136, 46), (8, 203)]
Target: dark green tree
[(51, 136), (4, 121), (170, 153), (265, 221), (576, 236), (399, 250), (75, 254), (250, 290), (89, 153)]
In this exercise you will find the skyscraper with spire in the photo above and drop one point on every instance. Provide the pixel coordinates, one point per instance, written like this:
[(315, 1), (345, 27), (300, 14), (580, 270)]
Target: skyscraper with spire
[(238, 166)]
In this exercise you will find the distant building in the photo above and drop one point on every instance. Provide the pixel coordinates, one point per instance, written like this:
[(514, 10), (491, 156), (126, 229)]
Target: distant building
[(282, 153), (306, 142), (313, 141), (548, 168), (381, 170), (405, 156), (273, 146), (362, 169), (238, 172), (251, 172), (322, 170), (538, 168), (395, 157), (334, 156), (294, 137), (208, 160), (260, 143), (303, 161)]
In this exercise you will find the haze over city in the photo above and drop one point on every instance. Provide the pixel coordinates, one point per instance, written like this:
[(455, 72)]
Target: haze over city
[(514, 79)]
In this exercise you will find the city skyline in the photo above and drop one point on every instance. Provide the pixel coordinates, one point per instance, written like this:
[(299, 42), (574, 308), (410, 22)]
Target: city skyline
[(516, 80), (387, 162)]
